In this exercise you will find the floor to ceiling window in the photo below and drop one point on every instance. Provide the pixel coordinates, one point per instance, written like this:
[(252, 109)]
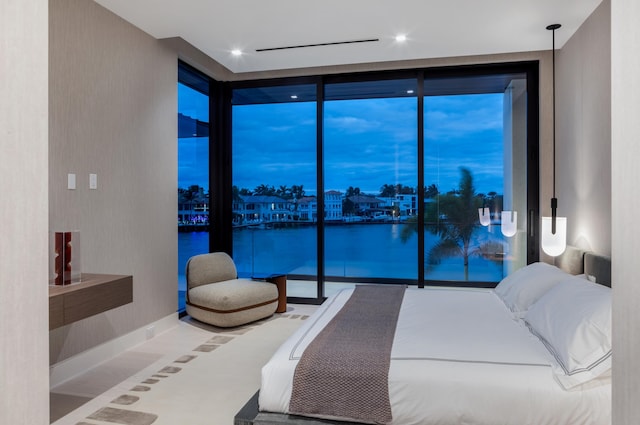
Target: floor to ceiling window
[(370, 168), (420, 176), (193, 170), (275, 196), (475, 163)]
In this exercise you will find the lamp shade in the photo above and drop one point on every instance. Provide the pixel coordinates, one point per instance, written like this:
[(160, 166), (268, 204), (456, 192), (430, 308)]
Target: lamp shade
[(554, 244), (485, 217), (509, 223)]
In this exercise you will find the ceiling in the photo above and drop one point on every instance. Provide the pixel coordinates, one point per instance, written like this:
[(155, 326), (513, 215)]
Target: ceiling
[(434, 28)]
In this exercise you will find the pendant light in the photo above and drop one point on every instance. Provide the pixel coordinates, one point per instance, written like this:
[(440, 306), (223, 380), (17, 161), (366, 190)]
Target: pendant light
[(509, 223), (554, 228)]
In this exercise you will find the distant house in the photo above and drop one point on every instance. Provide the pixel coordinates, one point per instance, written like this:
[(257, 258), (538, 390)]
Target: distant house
[(307, 208), (262, 209), (333, 205), (365, 203), (193, 207), (406, 204)]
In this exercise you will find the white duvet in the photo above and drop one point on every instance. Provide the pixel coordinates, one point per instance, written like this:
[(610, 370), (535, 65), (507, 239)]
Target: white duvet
[(458, 358)]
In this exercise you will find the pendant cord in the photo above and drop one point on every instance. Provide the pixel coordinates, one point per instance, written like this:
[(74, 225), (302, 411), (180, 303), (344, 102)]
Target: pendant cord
[(554, 200), (553, 61)]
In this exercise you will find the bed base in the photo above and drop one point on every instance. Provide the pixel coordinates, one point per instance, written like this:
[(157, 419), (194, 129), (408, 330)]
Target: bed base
[(249, 415)]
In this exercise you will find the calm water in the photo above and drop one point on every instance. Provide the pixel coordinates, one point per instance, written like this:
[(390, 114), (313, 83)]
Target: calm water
[(356, 250)]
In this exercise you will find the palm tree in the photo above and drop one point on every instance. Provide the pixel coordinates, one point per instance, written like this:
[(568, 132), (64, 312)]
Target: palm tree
[(431, 191), (351, 191), (284, 192), (264, 190), (387, 191), (297, 191), (454, 217)]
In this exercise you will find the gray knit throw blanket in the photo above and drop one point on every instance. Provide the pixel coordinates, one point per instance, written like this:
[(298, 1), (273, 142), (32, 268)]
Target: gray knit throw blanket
[(344, 372)]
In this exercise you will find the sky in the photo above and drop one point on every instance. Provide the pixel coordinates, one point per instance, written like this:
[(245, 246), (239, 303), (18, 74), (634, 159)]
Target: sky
[(367, 143)]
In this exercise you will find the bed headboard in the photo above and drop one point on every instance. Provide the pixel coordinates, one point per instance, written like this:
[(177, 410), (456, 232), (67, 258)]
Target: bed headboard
[(577, 261), (599, 267)]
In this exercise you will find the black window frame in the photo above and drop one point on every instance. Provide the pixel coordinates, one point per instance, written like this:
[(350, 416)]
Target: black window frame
[(221, 153)]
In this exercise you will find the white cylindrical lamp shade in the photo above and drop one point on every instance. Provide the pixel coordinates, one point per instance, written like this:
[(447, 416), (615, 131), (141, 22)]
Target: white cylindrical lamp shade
[(485, 217), (554, 244), (509, 223)]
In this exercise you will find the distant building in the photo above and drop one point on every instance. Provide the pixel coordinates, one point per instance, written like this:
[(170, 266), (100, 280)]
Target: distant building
[(365, 203), (405, 204), (333, 205), (193, 207), (261, 209), (307, 208)]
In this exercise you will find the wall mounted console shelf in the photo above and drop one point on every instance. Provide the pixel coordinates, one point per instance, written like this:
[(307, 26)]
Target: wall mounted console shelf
[(95, 293)]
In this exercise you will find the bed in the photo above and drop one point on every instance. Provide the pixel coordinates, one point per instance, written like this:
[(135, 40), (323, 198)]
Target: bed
[(536, 350)]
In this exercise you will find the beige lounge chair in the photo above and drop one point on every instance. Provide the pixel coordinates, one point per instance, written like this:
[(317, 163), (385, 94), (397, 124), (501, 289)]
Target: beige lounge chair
[(216, 295)]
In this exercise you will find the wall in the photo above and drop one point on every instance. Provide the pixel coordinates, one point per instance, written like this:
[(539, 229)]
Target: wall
[(625, 157), (583, 133), (113, 113), (24, 301)]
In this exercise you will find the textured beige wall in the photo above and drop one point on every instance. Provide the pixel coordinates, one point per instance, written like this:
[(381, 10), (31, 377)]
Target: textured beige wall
[(24, 300), (625, 157), (113, 113), (583, 137)]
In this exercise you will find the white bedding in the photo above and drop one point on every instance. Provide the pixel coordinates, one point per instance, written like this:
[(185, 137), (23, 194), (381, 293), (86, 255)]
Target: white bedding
[(459, 357)]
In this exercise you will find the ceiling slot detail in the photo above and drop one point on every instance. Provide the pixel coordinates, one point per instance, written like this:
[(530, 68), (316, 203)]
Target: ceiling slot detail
[(332, 43)]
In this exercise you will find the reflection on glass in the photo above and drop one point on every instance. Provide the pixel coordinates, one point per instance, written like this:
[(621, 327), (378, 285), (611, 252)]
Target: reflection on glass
[(474, 162)]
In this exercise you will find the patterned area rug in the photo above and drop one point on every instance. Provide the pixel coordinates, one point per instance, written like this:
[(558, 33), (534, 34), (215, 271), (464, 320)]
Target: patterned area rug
[(207, 384)]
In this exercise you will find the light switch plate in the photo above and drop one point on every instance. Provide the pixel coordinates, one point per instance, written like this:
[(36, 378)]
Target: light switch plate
[(93, 181), (71, 181)]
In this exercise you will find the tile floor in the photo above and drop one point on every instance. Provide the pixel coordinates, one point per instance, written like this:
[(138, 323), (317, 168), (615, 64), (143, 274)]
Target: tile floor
[(71, 398)]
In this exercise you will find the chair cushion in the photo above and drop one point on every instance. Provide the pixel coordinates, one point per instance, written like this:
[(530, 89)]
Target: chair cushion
[(233, 295), (209, 268)]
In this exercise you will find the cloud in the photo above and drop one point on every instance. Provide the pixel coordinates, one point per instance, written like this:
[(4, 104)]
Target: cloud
[(367, 143)]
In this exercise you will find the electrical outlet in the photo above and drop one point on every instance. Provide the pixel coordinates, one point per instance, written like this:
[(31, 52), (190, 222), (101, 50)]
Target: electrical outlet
[(71, 181), (93, 181)]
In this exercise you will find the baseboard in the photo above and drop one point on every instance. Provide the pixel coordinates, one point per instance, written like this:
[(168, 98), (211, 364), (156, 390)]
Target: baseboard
[(80, 363)]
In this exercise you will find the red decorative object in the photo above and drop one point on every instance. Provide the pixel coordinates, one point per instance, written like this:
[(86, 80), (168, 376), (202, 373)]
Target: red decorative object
[(63, 255)]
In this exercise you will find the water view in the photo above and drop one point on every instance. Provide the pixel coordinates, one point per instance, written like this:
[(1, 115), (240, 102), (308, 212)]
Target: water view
[(352, 250), (466, 141)]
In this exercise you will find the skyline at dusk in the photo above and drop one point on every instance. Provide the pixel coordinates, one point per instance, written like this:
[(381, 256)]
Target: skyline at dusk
[(367, 143)]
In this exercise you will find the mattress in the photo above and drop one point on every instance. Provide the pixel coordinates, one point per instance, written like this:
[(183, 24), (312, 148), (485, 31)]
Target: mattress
[(458, 357)]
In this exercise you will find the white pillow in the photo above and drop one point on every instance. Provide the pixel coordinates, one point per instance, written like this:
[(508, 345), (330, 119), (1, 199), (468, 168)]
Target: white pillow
[(573, 320), (525, 286)]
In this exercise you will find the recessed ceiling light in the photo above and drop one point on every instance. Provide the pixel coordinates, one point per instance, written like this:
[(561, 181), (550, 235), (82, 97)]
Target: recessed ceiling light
[(401, 38), (236, 52)]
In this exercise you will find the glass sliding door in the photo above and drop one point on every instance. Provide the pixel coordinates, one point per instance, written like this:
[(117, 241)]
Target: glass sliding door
[(370, 179), (418, 176), (193, 170), (275, 199), (475, 163)]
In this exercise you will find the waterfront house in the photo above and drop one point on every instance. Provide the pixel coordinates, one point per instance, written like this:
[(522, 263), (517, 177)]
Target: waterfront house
[(333, 205), (256, 209), (365, 204), (405, 205), (307, 208), (193, 207)]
